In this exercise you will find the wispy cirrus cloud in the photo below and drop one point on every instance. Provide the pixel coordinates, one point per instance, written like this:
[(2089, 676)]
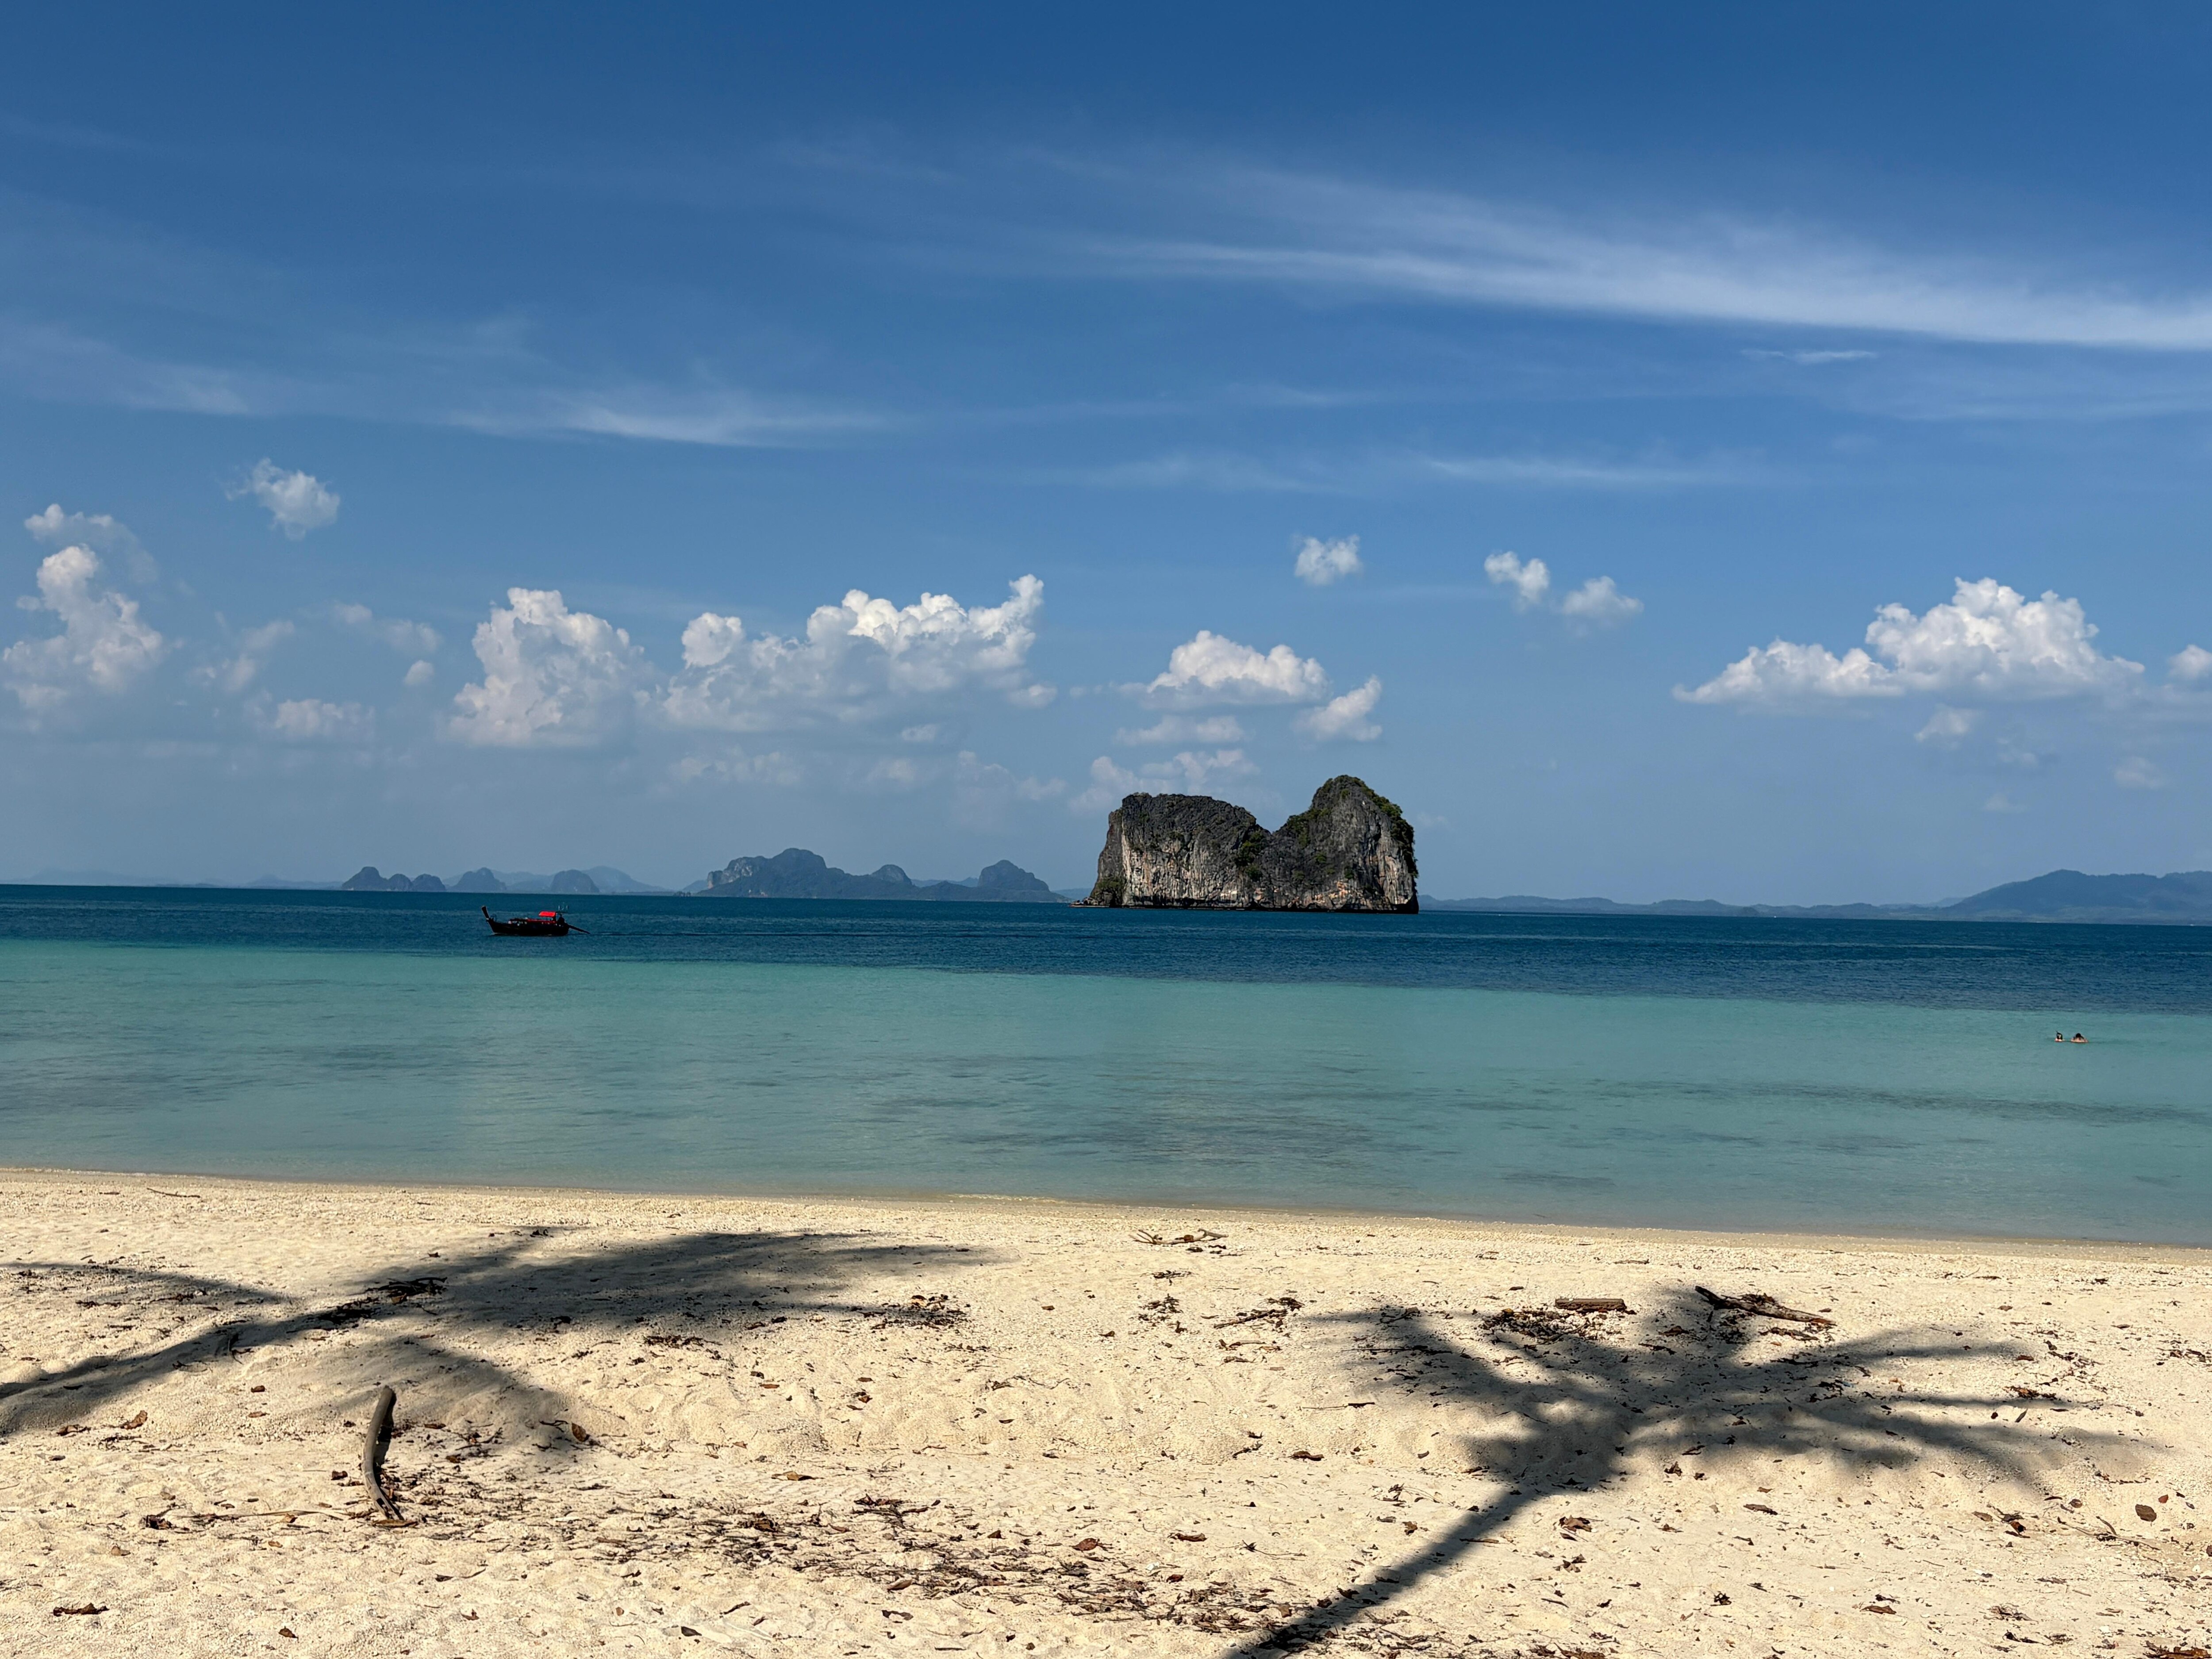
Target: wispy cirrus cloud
[(56, 362), (1187, 470), (1355, 237), (412, 383), (719, 419), (1582, 472), (1807, 359), (1387, 472), (95, 321)]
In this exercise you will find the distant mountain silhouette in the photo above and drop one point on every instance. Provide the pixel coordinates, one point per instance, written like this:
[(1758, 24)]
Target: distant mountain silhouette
[(600, 878), (795, 872), (367, 880), (2185, 895), (2061, 895)]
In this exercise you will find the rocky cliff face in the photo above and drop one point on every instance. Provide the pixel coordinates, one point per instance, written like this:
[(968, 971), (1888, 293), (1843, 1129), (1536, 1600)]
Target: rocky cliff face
[(1351, 850)]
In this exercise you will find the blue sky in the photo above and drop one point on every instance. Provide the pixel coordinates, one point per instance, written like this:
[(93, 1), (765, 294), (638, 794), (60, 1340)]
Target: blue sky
[(1760, 457)]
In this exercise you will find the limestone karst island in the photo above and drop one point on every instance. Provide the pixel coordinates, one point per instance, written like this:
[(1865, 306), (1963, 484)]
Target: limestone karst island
[(1349, 850)]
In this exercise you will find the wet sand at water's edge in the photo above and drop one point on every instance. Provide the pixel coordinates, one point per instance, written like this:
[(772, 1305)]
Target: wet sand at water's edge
[(684, 1424)]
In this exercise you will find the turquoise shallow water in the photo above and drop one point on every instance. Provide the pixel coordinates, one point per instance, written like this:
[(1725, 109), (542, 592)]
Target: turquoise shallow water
[(816, 1048)]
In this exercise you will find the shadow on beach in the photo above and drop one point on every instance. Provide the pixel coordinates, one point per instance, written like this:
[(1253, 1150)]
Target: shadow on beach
[(1592, 1400), (526, 1285)]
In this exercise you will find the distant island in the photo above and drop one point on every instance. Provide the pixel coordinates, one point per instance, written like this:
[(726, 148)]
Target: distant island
[(1349, 850), (601, 879), (797, 873), (2182, 898), (2185, 896)]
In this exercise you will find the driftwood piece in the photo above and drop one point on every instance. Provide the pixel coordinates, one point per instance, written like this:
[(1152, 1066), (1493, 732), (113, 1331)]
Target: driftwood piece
[(372, 1453), (1591, 1304), (1766, 1307)]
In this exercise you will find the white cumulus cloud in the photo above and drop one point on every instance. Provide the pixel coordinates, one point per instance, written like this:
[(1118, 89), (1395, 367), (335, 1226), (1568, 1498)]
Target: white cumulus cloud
[(1321, 563), (1989, 642), (2191, 662), (1345, 718), (859, 659), (309, 720), (97, 531), (104, 646), (234, 674), (1209, 668), (981, 788), (419, 673), (1530, 580), (1947, 727), (1187, 773), (1598, 603), (734, 765), (1782, 671), (554, 675), (410, 639), (297, 501), (1182, 728), (551, 676), (2134, 772)]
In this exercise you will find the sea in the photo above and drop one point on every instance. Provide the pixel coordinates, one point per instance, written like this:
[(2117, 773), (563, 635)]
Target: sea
[(1752, 1073)]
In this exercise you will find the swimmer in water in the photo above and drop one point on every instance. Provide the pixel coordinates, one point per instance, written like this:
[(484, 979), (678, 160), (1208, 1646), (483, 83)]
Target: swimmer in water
[(2058, 1037), (2078, 1037)]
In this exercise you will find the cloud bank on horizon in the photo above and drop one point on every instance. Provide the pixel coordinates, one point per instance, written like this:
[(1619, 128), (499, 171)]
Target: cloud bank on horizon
[(866, 677)]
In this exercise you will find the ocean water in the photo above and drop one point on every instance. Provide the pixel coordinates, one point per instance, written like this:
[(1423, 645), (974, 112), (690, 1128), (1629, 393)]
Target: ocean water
[(1732, 1074)]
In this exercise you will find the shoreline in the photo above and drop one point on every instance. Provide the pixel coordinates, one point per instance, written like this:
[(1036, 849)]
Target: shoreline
[(908, 1201), (662, 1423)]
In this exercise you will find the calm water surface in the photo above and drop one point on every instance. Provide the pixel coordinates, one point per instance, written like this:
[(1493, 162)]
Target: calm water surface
[(1686, 1072)]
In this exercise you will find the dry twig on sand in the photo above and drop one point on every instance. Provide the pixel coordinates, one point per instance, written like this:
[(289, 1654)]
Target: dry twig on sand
[(372, 1453), (1755, 1301)]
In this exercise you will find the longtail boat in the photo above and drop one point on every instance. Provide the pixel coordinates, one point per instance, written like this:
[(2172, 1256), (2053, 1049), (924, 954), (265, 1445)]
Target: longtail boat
[(546, 924)]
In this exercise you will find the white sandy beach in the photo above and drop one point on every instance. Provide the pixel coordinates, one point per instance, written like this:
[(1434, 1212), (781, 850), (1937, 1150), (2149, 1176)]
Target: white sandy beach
[(674, 1425)]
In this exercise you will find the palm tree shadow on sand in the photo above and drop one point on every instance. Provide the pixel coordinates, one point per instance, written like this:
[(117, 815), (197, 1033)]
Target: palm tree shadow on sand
[(703, 1282), (1691, 1387)]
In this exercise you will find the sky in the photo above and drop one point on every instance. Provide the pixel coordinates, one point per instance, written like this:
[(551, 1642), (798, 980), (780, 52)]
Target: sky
[(1754, 452)]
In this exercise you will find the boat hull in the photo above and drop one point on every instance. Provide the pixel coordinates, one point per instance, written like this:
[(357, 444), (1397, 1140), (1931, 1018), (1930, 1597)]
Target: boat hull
[(528, 927)]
